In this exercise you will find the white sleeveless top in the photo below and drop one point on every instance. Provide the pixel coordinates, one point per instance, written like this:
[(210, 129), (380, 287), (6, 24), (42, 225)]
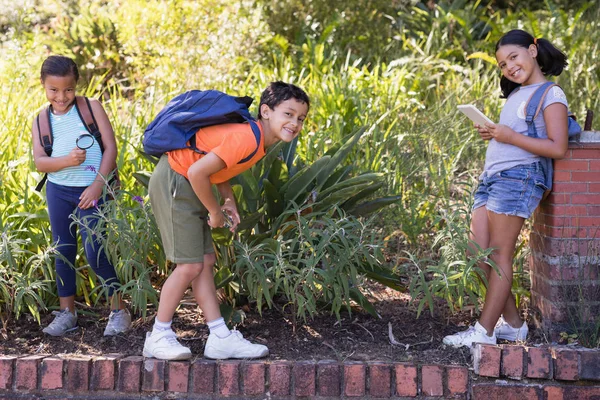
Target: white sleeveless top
[(66, 129)]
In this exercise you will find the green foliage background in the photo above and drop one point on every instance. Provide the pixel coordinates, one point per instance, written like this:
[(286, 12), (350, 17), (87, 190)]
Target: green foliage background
[(395, 68)]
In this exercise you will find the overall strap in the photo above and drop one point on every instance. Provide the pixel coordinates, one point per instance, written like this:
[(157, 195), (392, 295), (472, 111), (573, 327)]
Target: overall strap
[(534, 105), (84, 109)]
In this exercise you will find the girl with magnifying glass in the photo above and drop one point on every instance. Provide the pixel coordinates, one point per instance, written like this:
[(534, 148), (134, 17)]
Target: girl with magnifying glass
[(76, 169)]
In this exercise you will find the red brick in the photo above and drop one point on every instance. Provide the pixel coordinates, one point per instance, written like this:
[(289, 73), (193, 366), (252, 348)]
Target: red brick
[(590, 365), (559, 198), (566, 364), (52, 373), (589, 154), (279, 378), (562, 176), (431, 380), (512, 361), (593, 211), (594, 165), (355, 374), (486, 360), (179, 373), (304, 378), (130, 374), (582, 393), (570, 187), (26, 372), (103, 372), (539, 363), (253, 375), (203, 376), (585, 221), (328, 378), (591, 199), (153, 375), (553, 393), (594, 187), (506, 392), (406, 379), (458, 380), (380, 378), (571, 165), (229, 378), (6, 371), (78, 373)]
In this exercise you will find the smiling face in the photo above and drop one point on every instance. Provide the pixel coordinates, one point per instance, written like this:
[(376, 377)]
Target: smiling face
[(518, 64), (284, 122), (60, 92)]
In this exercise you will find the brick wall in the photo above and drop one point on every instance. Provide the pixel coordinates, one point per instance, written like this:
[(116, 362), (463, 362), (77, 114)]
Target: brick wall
[(500, 372), (565, 241), (112, 377)]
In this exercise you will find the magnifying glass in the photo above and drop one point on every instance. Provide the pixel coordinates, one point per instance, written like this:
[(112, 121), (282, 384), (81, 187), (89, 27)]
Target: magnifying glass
[(85, 141)]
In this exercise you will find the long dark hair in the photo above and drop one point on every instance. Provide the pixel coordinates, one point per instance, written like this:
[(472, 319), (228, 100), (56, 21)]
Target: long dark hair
[(551, 60), (59, 66)]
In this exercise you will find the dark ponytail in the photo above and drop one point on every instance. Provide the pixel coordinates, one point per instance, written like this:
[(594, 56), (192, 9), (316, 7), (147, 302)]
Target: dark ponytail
[(59, 66), (551, 60)]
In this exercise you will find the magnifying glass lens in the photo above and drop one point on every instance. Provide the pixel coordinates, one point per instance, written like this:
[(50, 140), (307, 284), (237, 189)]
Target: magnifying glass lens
[(85, 141)]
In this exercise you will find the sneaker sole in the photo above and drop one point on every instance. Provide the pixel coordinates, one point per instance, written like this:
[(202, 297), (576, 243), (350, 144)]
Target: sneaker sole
[(511, 339), (61, 334), (184, 356), (225, 356)]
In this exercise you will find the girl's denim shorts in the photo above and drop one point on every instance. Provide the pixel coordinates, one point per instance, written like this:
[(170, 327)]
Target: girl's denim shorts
[(515, 191)]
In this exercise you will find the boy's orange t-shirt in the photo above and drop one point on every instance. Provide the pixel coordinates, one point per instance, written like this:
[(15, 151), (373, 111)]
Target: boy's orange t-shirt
[(231, 142)]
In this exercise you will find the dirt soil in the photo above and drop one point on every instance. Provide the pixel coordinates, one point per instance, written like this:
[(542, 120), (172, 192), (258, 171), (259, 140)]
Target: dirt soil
[(356, 337)]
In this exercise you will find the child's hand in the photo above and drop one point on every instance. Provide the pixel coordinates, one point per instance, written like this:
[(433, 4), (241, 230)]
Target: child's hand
[(230, 209), (500, 132), (89, 197), (77, 156), (484, 132)]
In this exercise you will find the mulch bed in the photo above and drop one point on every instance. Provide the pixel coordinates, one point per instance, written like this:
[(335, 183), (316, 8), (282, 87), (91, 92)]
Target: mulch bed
[(357, 336)]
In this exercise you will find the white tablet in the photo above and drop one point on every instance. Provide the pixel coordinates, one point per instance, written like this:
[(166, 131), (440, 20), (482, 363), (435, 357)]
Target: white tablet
[(474, 114)]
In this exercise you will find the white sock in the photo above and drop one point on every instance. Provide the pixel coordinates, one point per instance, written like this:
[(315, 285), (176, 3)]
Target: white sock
[(219, 328), (160, 326)]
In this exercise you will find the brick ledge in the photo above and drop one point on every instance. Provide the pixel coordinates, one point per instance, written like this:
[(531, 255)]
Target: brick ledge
[(529, 372)]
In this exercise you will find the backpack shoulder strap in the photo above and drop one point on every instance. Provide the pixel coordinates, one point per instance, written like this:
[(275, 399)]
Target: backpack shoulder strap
[(45, 130), (534, 105), (84, 109), (256, 131)]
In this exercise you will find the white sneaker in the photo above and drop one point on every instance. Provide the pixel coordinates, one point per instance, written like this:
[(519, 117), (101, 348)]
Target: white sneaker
[(118, 322), (64, 321), (233, 346), (164, 346), (503, 330), (475, 334)]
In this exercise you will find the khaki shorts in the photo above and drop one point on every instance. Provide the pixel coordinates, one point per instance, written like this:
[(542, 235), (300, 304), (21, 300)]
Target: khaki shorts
[(180, 216)]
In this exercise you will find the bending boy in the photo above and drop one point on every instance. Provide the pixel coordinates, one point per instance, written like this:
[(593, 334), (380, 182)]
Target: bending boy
[(185, 207)]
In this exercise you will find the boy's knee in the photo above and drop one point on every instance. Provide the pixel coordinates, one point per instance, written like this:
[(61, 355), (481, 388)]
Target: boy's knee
[(190, 271)]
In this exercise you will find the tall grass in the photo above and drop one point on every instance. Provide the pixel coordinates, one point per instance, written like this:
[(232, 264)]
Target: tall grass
[(437, 58)]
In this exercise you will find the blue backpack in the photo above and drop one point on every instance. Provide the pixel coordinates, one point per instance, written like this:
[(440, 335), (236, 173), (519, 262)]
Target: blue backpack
[(533, 107), (178, 122)]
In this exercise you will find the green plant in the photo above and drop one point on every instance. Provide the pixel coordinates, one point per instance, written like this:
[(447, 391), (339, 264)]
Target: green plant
[(127, 232), (454, 274), (315, 262)]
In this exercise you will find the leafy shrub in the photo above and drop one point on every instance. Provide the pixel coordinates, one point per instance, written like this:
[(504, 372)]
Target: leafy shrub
[(314, 262), (127, 231)]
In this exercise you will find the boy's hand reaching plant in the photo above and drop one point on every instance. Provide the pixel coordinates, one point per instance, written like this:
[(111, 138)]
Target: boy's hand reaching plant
[(231, 215), (228, 217)]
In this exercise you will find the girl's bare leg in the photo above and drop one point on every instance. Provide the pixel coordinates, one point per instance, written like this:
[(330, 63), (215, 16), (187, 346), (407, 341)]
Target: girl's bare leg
[(503, 233)]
